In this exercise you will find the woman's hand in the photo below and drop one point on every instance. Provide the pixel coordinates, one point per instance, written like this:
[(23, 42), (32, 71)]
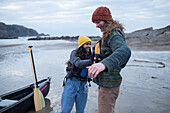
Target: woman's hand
[(95, 69)]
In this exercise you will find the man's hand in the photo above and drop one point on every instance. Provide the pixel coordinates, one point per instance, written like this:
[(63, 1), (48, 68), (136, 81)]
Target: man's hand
[(95, 69)]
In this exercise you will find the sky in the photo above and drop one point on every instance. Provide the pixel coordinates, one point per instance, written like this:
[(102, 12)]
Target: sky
[(73, 17)]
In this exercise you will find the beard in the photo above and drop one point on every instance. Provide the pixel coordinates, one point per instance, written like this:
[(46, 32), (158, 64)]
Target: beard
[(101, 28)]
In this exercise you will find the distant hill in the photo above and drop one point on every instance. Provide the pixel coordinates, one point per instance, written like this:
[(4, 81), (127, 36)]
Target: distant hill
[(15, 31)]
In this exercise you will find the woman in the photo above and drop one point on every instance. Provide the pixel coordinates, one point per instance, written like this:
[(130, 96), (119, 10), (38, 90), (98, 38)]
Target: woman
[(76, 88)]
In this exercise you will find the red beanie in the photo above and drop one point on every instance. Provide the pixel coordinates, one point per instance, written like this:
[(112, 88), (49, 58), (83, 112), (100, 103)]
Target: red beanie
[(102, 13)]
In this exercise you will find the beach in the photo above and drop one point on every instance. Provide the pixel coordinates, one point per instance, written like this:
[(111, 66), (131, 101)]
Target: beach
[(145, 86)]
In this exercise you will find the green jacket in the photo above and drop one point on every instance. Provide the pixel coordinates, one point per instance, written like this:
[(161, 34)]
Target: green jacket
[(118, 54)]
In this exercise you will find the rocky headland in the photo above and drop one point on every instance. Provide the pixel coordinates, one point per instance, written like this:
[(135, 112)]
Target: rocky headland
[(150, 39), (15, 31)]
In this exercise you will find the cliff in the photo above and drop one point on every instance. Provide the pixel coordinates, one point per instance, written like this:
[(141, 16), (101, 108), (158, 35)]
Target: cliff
[(15, 31), (149, 37)]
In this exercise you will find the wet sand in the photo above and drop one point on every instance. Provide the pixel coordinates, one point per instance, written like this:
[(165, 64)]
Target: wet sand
[(146, 78)]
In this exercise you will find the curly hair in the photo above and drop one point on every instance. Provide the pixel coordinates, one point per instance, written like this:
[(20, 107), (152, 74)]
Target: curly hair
[(109, 26), (81, 52)]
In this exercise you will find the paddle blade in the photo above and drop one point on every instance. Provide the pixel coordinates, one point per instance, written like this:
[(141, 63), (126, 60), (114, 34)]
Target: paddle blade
[(37, 100), (42, 99)]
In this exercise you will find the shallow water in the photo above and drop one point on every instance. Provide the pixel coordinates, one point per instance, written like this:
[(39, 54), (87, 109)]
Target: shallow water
[(146, 78)]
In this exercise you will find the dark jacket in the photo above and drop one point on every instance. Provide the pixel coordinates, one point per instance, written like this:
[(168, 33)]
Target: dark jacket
[(76, 61), (119, 54), (78, 65)]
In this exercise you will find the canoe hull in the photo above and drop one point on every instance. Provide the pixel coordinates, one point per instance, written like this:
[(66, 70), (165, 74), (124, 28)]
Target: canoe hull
[(24, 97)]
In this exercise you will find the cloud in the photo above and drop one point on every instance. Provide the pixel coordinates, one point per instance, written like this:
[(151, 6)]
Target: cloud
[(161, 3), (10, 7), (68, 14)]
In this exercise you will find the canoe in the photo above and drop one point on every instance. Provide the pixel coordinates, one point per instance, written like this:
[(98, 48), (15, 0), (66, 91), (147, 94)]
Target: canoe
[(21, 100)]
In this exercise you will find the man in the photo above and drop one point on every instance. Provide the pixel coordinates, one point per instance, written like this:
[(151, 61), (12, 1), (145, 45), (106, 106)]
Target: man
[(111, 54)]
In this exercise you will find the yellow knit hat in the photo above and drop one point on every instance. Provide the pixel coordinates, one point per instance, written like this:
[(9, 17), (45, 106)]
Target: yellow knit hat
[(82, 40)]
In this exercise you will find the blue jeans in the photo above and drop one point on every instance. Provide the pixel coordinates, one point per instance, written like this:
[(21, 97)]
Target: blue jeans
[(74, 91)]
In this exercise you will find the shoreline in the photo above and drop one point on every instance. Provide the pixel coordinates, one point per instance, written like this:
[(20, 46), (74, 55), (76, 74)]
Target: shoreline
[(135, 47)]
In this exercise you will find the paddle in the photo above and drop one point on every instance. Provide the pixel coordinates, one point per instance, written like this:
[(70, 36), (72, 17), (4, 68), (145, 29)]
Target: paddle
[(38, 96)]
